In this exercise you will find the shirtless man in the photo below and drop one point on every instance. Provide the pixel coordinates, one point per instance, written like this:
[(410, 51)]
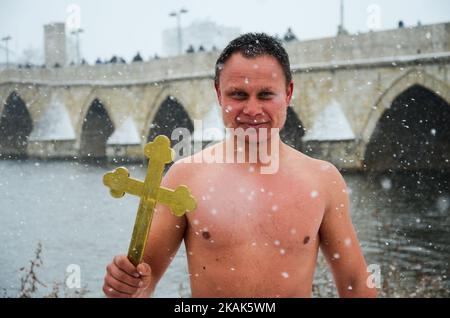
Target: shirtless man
[(252, 234)]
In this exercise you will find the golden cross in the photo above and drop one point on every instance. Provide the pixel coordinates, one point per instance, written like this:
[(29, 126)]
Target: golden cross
[(150, 192)]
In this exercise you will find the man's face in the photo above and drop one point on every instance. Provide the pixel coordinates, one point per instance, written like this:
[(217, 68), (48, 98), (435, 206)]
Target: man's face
[(252, 93)]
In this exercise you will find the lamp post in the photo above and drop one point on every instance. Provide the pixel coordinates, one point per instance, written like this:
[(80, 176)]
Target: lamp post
[(178, 14), (6, 40), (77, 32), (341, 28)]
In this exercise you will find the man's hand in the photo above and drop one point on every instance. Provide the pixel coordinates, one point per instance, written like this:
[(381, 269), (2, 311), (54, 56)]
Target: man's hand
[(124, 280)]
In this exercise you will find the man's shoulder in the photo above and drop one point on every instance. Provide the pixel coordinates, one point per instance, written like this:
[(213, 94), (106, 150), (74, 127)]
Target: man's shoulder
[(187, 168), (311, 164), (320, 171)]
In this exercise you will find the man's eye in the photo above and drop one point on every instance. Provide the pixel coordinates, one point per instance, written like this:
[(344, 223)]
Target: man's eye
[(239, 95), (265, 95)]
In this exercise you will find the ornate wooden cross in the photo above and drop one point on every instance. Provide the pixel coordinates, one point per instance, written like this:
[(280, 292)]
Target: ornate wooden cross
[(150, 192)]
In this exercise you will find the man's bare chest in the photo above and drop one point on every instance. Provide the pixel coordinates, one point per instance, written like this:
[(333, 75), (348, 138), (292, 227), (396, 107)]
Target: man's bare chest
[(256, 212)]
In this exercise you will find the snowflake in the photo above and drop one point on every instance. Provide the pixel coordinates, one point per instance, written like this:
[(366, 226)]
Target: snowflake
[(347, 242)]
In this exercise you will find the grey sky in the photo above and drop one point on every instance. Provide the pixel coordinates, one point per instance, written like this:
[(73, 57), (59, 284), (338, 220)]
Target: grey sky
[(125, 27)]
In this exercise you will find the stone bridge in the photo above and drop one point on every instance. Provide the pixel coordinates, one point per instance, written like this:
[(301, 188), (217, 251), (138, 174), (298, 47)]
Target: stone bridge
[(378, 100)]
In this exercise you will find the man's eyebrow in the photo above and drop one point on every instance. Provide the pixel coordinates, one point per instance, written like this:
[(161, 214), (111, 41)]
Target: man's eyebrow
[(233, 89), (265, 89)]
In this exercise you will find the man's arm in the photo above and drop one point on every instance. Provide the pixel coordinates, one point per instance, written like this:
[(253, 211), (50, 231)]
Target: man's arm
[(167, 230), (123, 279), (339, 242)]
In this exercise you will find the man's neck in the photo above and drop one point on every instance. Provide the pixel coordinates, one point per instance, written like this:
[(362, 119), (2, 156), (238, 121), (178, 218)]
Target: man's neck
[(259, 153)]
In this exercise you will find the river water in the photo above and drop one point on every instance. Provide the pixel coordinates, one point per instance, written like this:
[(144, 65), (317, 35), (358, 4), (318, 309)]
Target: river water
[(402, 222)]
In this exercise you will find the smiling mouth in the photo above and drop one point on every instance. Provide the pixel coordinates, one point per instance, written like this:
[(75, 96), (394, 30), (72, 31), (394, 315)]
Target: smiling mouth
[(254, 125)]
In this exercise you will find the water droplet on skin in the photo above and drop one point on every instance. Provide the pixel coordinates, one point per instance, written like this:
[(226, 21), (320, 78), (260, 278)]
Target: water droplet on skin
[(285, 274)]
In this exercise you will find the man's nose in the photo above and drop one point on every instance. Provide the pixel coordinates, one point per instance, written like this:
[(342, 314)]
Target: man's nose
[(253, 108)]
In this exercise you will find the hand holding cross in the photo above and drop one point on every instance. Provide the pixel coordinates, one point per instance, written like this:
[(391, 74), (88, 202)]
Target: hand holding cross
[(150, 192)]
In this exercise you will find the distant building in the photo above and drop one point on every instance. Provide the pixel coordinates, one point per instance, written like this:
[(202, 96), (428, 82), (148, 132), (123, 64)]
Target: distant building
[(206, 34), (55, 44)]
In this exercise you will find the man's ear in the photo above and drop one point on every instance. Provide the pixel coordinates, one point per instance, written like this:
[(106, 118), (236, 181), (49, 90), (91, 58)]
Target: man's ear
[(289, 92), (219, 94)]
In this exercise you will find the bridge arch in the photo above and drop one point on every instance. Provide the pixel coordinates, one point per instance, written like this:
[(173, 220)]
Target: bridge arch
[(293, 130), (16, 125), (157, 110), (409, 79), (168, 115), (96, 127), (411, 129)]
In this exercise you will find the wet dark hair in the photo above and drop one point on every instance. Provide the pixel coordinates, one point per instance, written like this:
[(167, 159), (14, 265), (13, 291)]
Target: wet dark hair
[(254, 45)]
